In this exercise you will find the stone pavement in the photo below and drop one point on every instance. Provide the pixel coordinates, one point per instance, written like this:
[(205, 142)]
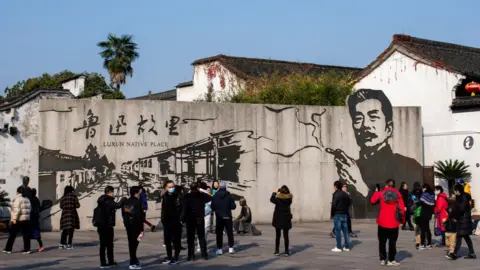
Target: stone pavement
[(310, 245)]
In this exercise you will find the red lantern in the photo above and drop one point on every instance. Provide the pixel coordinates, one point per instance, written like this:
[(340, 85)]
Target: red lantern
[(472, 88)]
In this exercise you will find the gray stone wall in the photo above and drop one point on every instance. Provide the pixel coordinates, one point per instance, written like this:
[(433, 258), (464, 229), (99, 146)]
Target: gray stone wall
[(255, 149)]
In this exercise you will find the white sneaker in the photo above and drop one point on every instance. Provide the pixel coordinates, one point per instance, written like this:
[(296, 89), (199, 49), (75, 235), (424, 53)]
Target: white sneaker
[(219, 252), (383, 262), (346, 249), (335, 249), (393, 263), (231, 250)]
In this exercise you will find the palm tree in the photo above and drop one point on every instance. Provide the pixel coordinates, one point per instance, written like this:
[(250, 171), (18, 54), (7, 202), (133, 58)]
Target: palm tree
[(451, 170), (118, 53)]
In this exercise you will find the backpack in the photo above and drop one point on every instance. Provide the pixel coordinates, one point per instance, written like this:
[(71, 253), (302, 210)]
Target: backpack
[(391, 196), (98, 219)]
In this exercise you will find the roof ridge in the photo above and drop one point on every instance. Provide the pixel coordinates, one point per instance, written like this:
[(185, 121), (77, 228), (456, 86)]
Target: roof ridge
[(434, 43), (220, 57)]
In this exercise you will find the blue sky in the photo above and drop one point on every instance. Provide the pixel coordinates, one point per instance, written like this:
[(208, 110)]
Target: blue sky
[(54, 35)]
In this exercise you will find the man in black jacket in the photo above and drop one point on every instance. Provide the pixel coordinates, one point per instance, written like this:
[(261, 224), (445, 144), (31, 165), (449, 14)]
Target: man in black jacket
[(222, 205), (105, 223), (133, 218), (339, 213), (170, 217), (193, 215)]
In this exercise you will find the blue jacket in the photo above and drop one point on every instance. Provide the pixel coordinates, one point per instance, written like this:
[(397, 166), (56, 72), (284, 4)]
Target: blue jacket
[(143, 198)]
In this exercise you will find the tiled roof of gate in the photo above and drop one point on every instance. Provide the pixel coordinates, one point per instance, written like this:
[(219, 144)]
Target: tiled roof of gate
[(461, 59), (166, 95), (254, 67)]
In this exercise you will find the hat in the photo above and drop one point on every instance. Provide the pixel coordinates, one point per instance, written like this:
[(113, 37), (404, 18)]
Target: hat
[(460, 181), (223, 184)]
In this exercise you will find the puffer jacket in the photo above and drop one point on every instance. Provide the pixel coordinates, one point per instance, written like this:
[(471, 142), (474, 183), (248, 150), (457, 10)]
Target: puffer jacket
[(391, 203), (441, 206), (21, 209)]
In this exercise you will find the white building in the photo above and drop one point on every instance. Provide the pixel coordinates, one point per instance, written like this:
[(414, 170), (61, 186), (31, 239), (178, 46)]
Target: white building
[(75, 84), (433, 75), (223, 75)]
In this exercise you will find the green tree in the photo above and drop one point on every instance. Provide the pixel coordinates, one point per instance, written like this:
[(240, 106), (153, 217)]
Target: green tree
[(118, 54), (94, 84), (45, 81), (451, 170), (329, 89)]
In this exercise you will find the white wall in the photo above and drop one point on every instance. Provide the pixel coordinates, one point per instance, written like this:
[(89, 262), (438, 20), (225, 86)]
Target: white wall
[(75, 86), (409, 83), (201, 82)]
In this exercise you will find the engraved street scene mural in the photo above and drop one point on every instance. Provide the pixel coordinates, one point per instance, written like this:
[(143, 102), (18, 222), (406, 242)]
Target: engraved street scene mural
[(253, 148)]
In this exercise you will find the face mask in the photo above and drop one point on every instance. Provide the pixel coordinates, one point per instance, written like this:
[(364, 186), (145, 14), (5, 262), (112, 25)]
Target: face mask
[(171, 190)]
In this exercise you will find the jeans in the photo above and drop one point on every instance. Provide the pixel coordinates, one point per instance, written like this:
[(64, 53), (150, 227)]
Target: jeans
[(278, 233), (349, 223), (196, 226), (172, 232), (390, 234), (66, 233), (228, 226), (340, 223), (132, 236), (443, 238), (458, 244), (24, 227), (408, 219), (106, 243)]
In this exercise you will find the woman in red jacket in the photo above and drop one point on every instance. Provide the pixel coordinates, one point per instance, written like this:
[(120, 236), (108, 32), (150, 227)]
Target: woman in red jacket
[(440, 211), (390, 217)]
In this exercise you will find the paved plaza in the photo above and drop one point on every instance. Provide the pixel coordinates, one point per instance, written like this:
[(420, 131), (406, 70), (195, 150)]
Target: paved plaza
[(310, 245)]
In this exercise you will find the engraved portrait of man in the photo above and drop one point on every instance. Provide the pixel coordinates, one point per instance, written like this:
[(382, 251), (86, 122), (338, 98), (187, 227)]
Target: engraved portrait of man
[(372, 122)]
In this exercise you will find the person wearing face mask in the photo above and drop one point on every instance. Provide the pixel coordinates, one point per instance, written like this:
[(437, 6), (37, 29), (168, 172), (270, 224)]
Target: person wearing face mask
[(172, 227), (440, 211), (463, 216)]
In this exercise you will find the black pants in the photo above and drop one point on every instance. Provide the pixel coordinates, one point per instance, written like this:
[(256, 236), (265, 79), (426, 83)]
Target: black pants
[(20, 226), (106, 243), (196, 226), (425, 232), (228, 226), (458, 244), (66, 233), (132, 236), (278, 233), (172, 232), (349, 224), (40, 242), (391, 235), (408, 219)]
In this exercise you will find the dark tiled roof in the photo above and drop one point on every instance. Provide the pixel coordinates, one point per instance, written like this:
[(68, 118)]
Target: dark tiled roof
[(462, 59), (184, 84), (465, 103), (254, 67), (166, 95), (6, 104)]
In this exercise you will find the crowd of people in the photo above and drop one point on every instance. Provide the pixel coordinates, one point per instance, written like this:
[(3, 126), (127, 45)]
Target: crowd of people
[(204, 207), (411, 210)]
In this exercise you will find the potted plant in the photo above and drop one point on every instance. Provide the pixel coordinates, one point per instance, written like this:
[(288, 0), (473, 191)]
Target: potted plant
[(452, 170), (4, 209)]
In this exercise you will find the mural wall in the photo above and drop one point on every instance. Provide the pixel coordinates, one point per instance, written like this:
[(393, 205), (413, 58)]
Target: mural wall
[(254, 148)]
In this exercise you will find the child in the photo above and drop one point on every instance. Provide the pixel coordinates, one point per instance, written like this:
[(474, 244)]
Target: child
[(450, 233), (416, 210), (143, 198)]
